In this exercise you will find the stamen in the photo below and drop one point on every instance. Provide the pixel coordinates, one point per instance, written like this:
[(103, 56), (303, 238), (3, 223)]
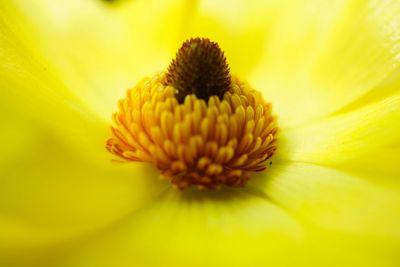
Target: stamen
[(193, 126)]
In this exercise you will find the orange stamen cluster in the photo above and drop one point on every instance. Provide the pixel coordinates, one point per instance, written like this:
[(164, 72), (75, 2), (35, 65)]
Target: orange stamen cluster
[(200, 143)]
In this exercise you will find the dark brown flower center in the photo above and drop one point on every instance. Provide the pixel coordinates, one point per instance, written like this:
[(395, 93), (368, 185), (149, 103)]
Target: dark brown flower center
[(199, 68)]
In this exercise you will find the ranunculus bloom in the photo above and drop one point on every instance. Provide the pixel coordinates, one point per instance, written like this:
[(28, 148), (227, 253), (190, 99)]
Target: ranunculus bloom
[(331, 197)]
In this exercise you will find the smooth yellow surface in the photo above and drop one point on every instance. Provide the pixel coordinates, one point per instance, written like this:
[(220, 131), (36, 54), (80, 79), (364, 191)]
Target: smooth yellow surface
[(330, 198)]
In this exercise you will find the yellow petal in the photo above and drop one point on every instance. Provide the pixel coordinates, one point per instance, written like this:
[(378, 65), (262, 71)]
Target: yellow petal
[(33, 97), (97, 50), (223, 228), (241, 28), (334, 200), (365, 140), (52, 192), (39, 102), (52, 198), (13, 148), (319, 56), (193, 228), (56, 178)]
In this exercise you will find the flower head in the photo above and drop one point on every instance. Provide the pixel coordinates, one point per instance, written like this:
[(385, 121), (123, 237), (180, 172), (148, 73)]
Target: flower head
[(194, 123)]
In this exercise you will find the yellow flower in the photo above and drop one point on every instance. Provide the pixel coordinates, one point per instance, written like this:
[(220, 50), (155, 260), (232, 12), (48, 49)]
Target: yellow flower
[(331, 197)]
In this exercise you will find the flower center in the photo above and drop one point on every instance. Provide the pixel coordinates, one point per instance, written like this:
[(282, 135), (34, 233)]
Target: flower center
[(200, 68), (197, 124)]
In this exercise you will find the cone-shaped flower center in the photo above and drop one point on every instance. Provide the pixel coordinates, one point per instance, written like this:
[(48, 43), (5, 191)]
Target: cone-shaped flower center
[(200, 68), (195, 123)]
